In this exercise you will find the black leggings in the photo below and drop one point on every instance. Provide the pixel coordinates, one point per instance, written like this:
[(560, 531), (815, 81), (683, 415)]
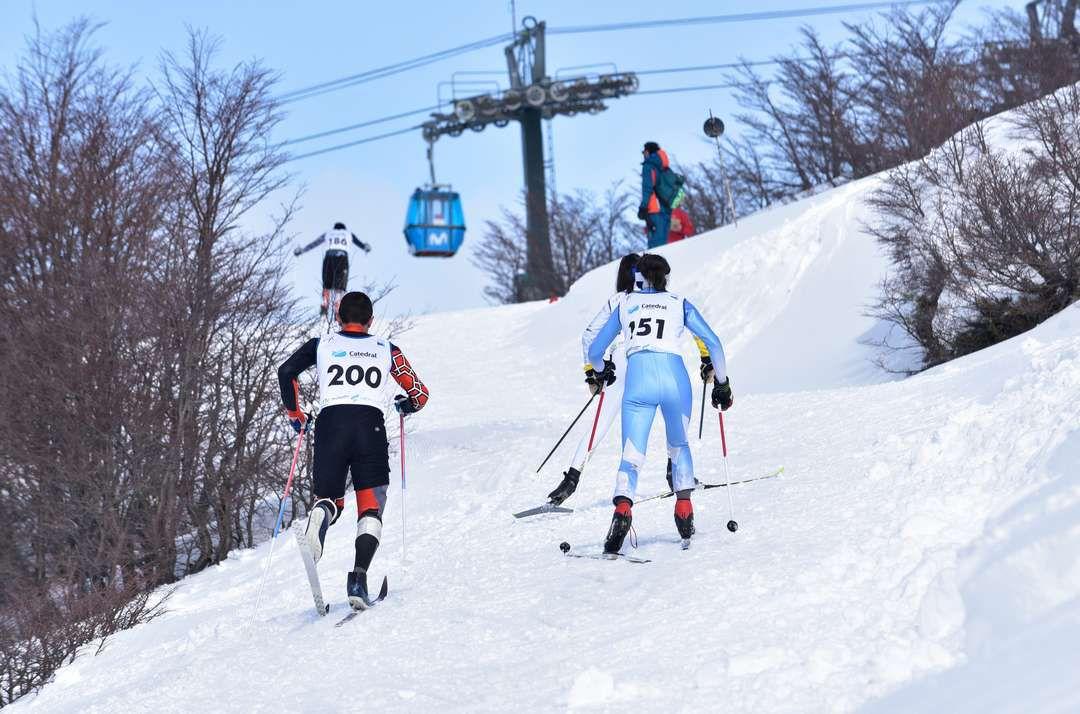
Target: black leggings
[(335, 271), (350, 439)]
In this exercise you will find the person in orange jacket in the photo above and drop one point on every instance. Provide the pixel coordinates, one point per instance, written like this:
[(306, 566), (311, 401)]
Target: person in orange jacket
[(681, 225)]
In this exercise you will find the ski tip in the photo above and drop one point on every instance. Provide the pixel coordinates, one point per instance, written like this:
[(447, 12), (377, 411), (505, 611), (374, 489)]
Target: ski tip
[(546, 508), (384, 589)]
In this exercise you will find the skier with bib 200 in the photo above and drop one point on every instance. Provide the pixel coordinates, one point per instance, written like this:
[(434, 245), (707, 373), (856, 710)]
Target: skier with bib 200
[(355, 370), (651, 321), (335, 265)]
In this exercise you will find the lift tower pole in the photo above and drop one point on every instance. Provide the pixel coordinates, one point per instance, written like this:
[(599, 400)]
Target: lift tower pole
[(531, 98), (526, 65)]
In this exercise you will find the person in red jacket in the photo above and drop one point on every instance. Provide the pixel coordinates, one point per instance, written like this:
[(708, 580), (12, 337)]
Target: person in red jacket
[(681, 226)]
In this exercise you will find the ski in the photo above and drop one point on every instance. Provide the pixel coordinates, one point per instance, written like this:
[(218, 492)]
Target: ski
[(368, 604), (546, 508), (609, 556), (707, 486), (313, 575)]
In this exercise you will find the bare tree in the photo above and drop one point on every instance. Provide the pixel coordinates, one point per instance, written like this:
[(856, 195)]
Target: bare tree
[(586, 232), (81, 190), (142, 321), (985, 244)]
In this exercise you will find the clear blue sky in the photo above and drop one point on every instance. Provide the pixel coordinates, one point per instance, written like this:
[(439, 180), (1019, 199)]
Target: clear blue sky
[(367, 186)]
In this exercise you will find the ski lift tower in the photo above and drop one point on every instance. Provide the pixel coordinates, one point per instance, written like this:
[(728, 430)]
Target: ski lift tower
[(531, 98)]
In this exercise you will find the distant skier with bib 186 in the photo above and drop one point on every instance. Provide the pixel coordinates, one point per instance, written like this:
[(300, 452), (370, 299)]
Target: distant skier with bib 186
[(335, 265), (651, 321), (354, 370)]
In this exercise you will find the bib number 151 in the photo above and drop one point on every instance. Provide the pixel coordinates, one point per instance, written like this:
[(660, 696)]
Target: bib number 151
[(643, 328)]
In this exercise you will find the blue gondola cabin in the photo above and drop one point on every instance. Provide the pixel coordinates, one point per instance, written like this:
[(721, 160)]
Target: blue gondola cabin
[(435, 223)]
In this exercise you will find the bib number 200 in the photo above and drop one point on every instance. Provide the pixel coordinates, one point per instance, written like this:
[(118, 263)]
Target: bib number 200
[(354, 375)]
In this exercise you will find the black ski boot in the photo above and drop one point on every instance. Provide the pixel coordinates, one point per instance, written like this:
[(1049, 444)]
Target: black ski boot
[(684, 519), (358, 592), (566, 488), (620, 526)]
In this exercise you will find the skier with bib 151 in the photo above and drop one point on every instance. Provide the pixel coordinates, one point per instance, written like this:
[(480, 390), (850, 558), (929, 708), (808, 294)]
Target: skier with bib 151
[(611, 384), (354, 370), (335, 265), (651, 321)]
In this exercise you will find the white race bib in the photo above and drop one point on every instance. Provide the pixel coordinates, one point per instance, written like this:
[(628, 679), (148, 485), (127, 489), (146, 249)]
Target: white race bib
[(337, 240), (652, 321), (354, 370)]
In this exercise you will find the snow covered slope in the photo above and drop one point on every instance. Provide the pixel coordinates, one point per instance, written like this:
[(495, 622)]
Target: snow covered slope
[(920, 545)]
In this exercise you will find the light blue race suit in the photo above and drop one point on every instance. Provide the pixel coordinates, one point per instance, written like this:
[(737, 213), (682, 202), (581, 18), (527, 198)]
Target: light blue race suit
[(652, 323)]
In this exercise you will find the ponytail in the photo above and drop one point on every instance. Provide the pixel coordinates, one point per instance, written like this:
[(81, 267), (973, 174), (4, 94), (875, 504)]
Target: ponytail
[(624, 282)]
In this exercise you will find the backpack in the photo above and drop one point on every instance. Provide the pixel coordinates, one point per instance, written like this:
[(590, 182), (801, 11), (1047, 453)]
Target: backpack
[(669, 188)]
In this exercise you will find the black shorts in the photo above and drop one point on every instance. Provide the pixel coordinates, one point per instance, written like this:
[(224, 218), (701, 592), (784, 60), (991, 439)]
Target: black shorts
[(335, 271), (350, 438)]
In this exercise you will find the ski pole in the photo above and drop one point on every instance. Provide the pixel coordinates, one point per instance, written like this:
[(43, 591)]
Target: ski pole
[(401, 431), (596, 419), (280, 518), (732, 525), (701, 419), (706, 486), (561, 438)]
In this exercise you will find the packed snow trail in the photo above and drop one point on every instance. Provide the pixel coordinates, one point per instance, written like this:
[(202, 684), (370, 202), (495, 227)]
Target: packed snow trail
[(878, 564)]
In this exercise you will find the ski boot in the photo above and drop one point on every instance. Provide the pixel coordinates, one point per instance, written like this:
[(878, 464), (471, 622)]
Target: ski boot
[(565, 489), (684, 520), (356, 587), (620, 526), (322, 515)]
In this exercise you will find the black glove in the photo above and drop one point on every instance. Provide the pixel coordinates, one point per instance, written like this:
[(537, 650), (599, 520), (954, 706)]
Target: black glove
[(603, 378), (707, 371), (722, 398), (404, 405), (642, 213), (366, 247), (296, 252)]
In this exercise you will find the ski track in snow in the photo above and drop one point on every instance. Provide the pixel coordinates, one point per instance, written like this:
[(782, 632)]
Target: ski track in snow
[(858, 575)]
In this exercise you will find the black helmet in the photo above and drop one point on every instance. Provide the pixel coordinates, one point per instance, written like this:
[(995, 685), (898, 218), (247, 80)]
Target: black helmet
[(339, 226)]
